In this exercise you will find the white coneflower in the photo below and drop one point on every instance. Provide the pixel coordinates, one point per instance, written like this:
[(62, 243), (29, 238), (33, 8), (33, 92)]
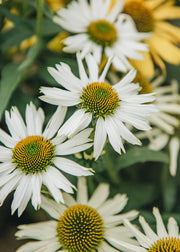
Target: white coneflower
[(98, 29), (165, 121), (108, 106), (164, 241), (31, 157), (81, 225)]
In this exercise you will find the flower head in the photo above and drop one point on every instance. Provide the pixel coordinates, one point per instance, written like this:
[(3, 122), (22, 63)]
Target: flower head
[(96, 30), (164, 240), (151, 16), (32, 157), (109, 107), (81, 225)]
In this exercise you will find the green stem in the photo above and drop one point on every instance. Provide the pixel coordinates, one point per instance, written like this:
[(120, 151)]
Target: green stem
[(164, 176), (113, 174), (40, 6)]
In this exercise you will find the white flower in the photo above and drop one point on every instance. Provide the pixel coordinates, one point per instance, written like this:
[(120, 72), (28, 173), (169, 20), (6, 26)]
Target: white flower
[(98, 29), (166, 241), (110, 106), (31, 157), (165, 122), (80, 225)]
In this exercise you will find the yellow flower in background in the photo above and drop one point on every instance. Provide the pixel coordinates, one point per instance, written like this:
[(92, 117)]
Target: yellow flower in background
[(55, 5), (151, 16), (56, 44), (7, 23)]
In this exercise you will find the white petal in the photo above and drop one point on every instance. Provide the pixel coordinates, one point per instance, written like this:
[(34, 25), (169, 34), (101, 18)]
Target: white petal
[(55, 122), (57, 96), (54, 209), (82, 192), (65, 77), (124, 246), (143, 240), (40, 231), (71, 167), (16, 126), (147, 229), (10, 183), (105, 70), (114, 137), (99, 196), (82, 72), (36, 182), (58, 179), (115, 220), (126, 80), (92, 67), (105, 247), (161, 230), (55, 192), (174, 147), (75, 144), (5, 154), (115, 11), (22, 195), (34, 120), (78, 121), (6, 139), (38, 246), (99, 137), (173, 228), (7, 167), (114, 205)]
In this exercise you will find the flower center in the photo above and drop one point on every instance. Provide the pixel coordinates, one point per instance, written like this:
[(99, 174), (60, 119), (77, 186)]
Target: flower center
[(100, 99), (166, 245), (143, 83), (33, 154), (102, 32), (141, 14), (80, 229)]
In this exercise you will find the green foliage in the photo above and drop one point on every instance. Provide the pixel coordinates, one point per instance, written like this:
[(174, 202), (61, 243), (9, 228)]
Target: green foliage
[(140, 155)]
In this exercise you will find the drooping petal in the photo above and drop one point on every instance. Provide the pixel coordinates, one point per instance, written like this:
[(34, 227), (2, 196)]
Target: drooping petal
[(99, 137), (71, 167), (55, 122)]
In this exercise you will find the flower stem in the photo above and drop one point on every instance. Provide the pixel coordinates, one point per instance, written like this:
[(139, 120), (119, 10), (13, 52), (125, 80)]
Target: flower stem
[(40, 6), (113, 174)]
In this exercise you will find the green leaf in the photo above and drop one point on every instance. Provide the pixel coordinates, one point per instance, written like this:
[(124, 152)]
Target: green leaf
[(13, 37), (12, 74), (140, 155), (10, 80), (138, 195)]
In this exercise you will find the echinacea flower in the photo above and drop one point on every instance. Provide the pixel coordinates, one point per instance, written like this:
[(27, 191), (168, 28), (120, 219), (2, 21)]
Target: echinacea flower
[(151, 16), (164, 240), (81, 225), (97, 30), (165, 122), (109, 107), (32, 157)]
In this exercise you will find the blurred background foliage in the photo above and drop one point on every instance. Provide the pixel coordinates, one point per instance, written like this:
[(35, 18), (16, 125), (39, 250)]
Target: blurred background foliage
[(30, 42)]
